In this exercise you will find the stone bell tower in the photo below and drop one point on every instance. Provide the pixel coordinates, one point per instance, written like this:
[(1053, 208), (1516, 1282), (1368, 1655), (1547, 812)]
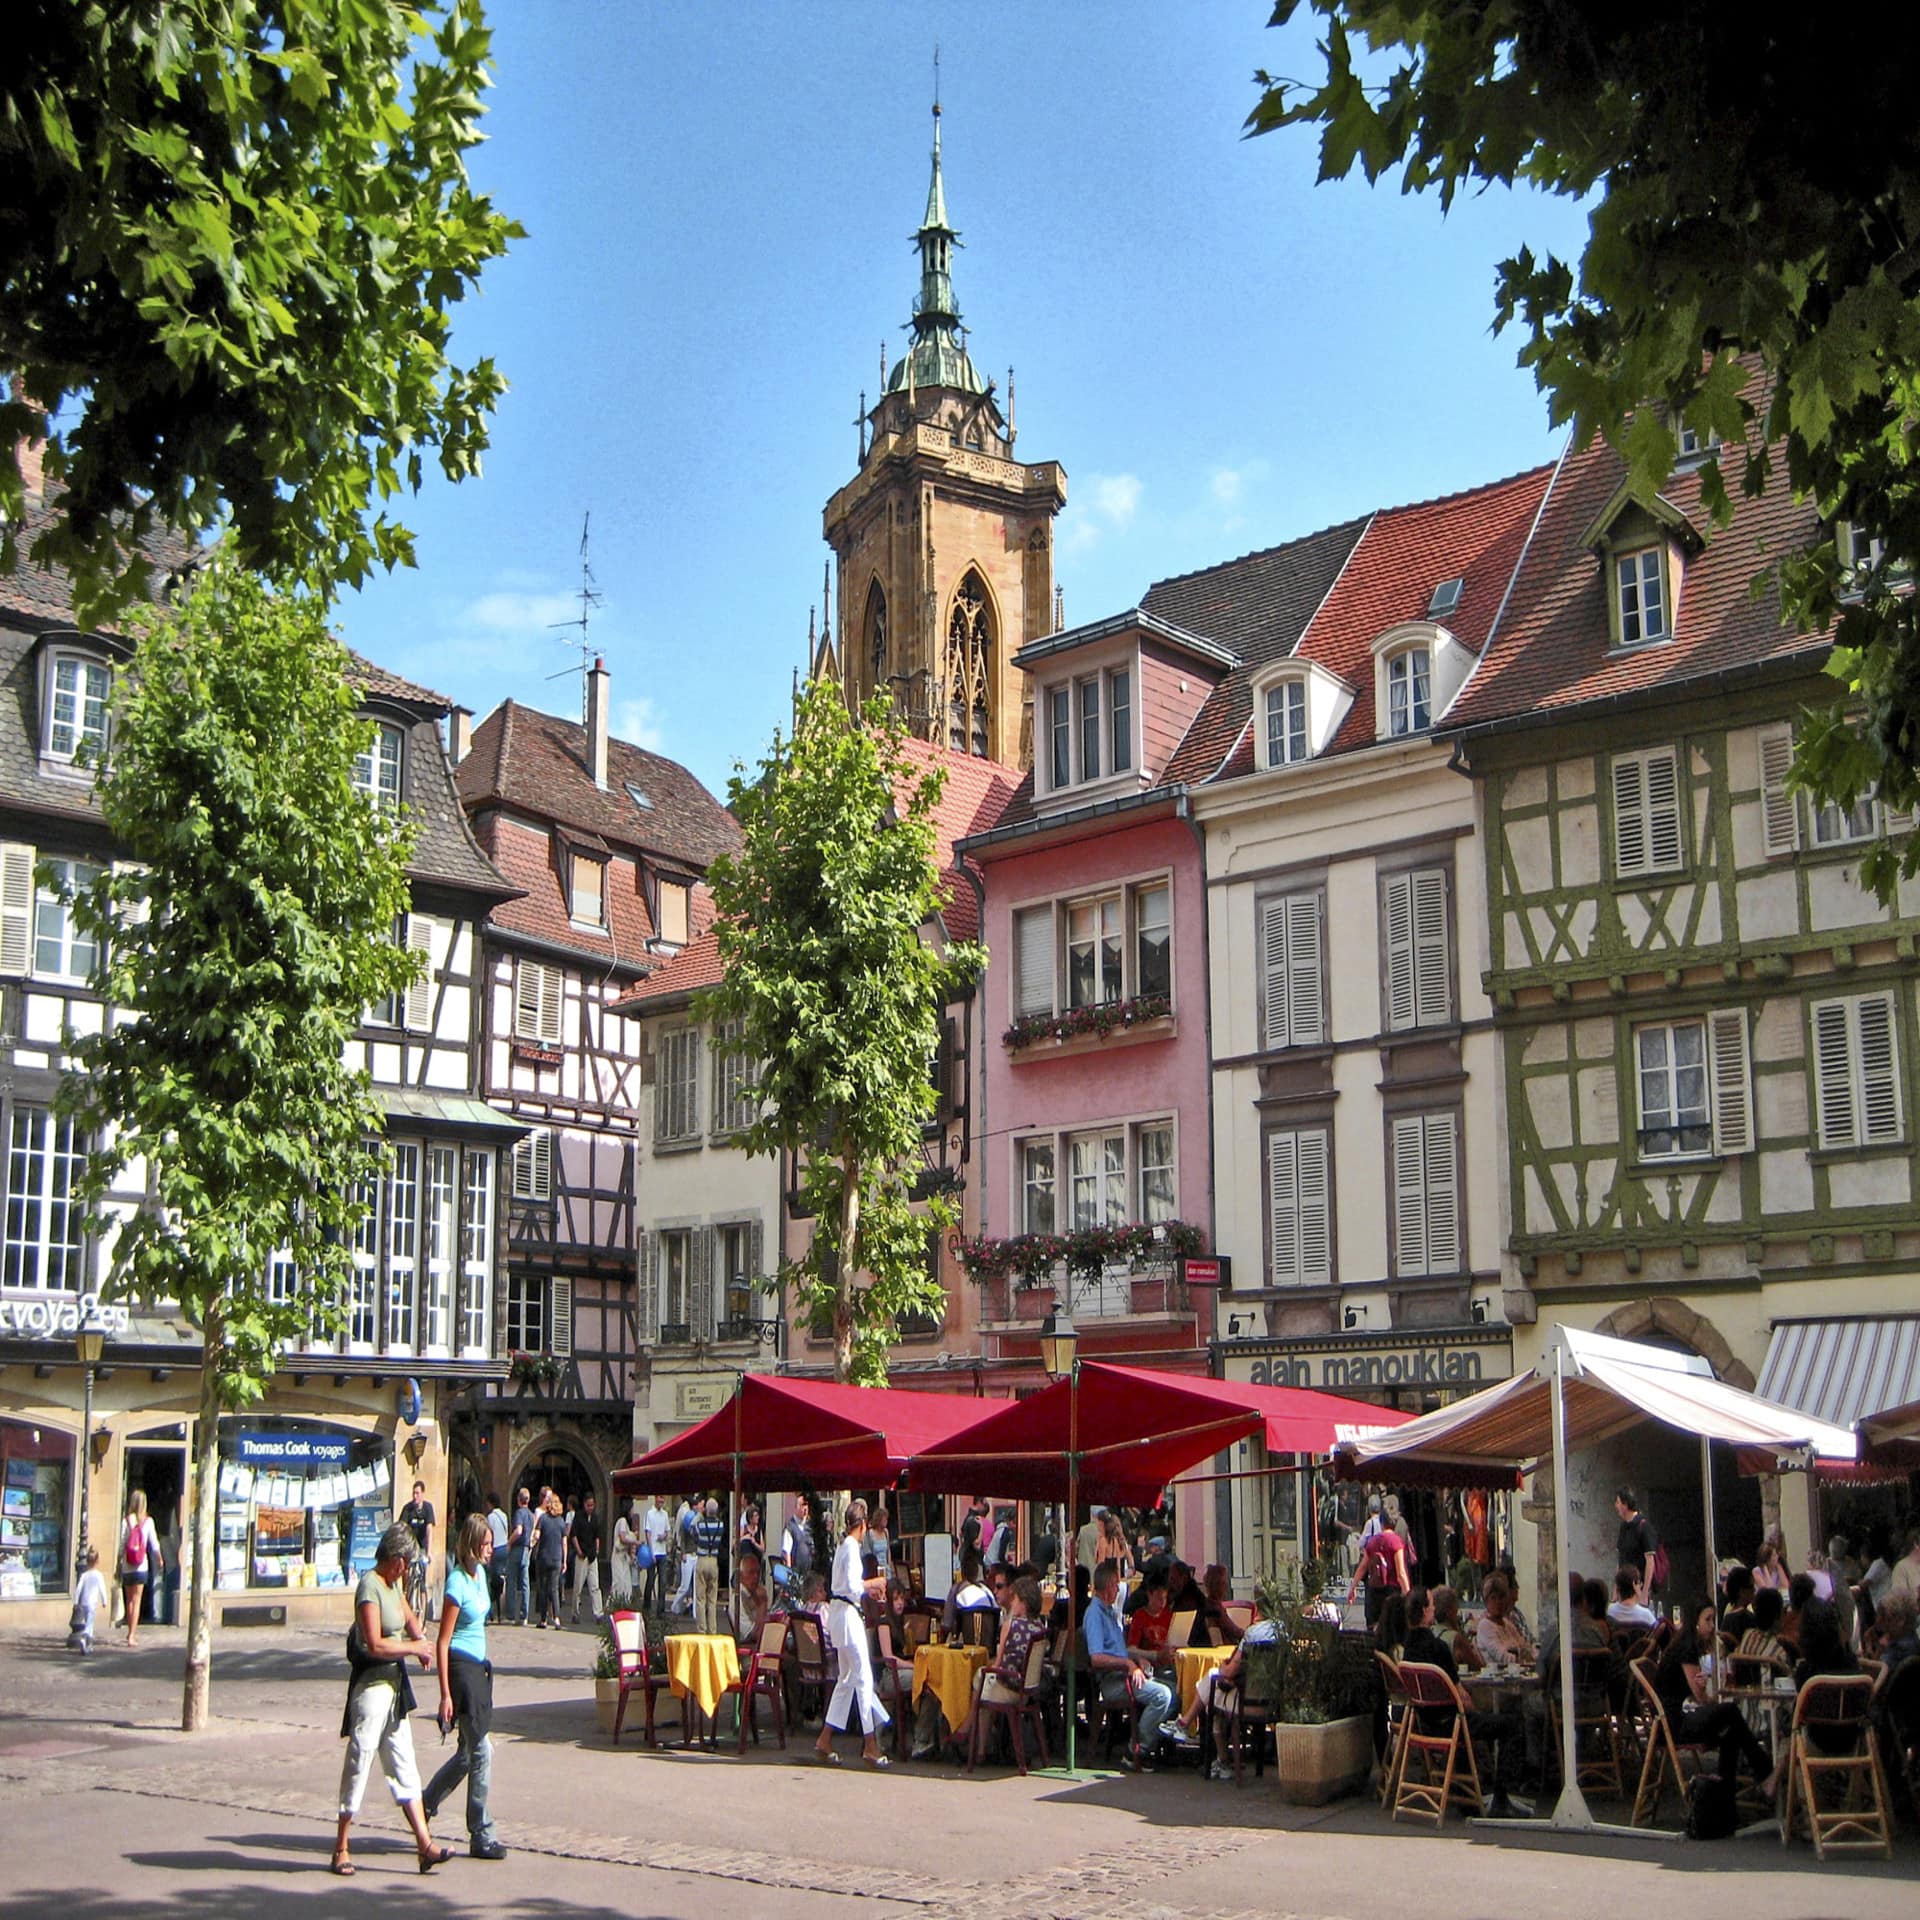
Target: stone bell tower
[(944, 541)]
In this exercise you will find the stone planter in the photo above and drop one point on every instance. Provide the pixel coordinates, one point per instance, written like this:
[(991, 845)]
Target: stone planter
[(606, 1702), (1316, 1764)]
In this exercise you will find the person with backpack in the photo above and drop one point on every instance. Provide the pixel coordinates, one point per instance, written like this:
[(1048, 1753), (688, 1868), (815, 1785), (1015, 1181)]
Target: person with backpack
[(1382, 1570), (139, 1561), (1640, 1547)]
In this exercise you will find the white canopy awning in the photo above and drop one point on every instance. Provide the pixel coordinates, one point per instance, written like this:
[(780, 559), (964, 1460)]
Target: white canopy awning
[(1611, 1385)]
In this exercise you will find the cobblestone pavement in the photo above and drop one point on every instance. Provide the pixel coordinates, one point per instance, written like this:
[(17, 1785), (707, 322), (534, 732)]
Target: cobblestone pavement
[(91, 1746)]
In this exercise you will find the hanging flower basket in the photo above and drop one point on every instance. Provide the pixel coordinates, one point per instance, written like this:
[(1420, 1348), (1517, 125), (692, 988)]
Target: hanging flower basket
[(1085, 1253)]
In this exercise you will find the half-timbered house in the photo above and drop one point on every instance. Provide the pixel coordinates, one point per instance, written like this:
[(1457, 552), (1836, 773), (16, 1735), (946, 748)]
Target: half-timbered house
[(606, 843)]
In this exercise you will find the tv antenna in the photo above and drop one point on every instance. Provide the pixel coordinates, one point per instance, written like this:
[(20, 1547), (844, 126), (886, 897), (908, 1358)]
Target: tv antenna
[(590, 599)]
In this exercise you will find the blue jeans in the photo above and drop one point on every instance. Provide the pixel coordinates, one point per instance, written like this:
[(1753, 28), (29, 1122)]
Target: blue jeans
[(472, 1762), (1155, 1700), (517, 1601)]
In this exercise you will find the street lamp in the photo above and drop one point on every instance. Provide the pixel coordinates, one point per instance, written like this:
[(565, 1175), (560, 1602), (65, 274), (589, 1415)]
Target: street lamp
[(91, 1342), (1060, 1355)]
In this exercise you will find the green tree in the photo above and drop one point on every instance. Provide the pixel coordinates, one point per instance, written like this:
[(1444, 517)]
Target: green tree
[(252, 927), (1755, 188), (235, 232), (838, 999)]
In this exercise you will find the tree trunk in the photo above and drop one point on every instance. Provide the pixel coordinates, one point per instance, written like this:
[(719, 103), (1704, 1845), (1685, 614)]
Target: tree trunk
[(206, 1508), (843, 1293)]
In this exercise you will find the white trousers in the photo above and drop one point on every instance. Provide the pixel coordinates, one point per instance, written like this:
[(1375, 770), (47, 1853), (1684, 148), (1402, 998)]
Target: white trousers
[(848, 1631), (379, 1728)]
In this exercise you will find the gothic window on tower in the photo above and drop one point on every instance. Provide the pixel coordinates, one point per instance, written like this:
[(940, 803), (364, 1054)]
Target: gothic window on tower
[(877, 632), (969, 650)]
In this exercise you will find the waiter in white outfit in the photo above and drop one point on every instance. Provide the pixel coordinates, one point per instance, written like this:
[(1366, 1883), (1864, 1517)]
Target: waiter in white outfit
[(847, 1627)]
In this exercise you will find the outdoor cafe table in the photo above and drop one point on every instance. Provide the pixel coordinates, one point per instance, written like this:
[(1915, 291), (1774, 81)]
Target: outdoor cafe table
[(1189, 1663), (949, 1672), (704, 1665)]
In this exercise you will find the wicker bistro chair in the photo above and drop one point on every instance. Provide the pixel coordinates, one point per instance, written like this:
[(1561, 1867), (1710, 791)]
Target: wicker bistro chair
[(1028, 1704), (1664, 1750), (763, 1680), (1447, 1775), (636, 1671), (1833, 1747), (1597, 1748), (1398, 1717)]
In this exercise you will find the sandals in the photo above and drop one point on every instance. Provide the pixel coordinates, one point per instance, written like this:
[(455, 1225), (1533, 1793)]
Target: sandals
[(342, 1866), (437, 1858), (827, 1759), (877, 1761)]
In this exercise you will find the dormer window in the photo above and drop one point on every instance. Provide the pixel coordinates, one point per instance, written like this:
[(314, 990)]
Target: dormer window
[(78, 690), (1286, 722), (1693, 446), (376, 768), (1640, 587), (675, 897), (587, 902), (1409, 691), (1089, 725), (1859, 549)]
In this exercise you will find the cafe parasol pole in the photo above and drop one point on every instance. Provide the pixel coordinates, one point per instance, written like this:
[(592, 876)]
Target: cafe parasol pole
[(1059, 1354)]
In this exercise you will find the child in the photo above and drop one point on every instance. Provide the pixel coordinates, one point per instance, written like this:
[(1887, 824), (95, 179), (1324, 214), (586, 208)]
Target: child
[(90, 1597)]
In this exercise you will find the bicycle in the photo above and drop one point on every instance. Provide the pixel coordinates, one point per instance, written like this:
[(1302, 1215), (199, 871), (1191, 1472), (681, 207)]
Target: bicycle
[(419, 1588)]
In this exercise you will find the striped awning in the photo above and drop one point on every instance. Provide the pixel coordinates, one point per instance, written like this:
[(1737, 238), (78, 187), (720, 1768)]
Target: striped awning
[(1843, 1370)]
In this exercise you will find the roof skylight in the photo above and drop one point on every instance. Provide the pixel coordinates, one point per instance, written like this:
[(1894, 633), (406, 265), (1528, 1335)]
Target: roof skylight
[(638, 796), (1446, 597)]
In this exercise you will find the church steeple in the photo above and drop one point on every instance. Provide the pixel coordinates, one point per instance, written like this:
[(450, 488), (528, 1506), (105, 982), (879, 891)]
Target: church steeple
[(937, 357)]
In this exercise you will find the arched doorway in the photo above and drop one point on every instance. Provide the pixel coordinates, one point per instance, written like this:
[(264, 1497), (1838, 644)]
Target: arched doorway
[(553, 1460)]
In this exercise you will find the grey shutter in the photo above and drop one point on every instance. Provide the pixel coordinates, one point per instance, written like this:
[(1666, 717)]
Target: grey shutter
[(700, 1282), (559, 1315), (1833, 1074), (756, 1255), (1779, 809), (1732, 1081), (1432, 963), (16, 907), (1443, 1195), (1401, 1003), (647, 1269), (1879, 1069), (420, 991), (1629, 815)]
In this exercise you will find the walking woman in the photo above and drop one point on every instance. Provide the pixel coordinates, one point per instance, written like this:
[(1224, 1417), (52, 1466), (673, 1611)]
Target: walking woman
[(386, 1635), (466, 1686), (847, 1625), (139, 1561), (626, 1542)]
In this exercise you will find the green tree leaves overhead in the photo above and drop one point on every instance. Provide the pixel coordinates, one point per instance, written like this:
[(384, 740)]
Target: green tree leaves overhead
[(839, 999), (1755, 188), (234, 233), (251, 930)]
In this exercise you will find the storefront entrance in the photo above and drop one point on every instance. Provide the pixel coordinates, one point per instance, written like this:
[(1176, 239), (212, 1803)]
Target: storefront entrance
[(157, 1467), (568, 1475)]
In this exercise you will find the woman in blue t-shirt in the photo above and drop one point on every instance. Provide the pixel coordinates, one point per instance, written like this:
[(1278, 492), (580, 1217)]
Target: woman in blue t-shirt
[(466, 1686)]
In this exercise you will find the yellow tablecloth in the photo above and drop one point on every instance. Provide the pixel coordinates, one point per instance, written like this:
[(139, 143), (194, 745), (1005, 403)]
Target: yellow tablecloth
[(1189, 1663), (949, 1672), (702, 1664)]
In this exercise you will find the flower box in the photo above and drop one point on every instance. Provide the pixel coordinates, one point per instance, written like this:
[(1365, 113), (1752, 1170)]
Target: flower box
[(1034, 1303), (1321, 1761)]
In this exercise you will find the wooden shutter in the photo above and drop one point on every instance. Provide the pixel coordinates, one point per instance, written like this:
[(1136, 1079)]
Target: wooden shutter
[(559, 1315), (533, 1165), (700, 1251), (1316, 1237), (1779, 809), (1409, 1196), (1433, 1002), (646, 1266), (1292, 995), (420, 991), (1033, 941), (1276, 1023), (1400, 962), (1443, 1194), (1832, 1074), (756, 1252), (1663, 810), (1629, 815), (526, 1000), (1283, 1195), (552, 985), (16, 907), (1879, 1070), (1732, 1080), (133, 913)]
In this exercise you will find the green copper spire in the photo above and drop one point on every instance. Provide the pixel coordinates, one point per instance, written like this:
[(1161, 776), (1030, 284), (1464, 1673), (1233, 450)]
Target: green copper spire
[(937, 357)]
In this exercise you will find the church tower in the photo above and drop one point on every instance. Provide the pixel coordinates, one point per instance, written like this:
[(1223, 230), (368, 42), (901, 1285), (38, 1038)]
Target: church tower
[(944, 541)]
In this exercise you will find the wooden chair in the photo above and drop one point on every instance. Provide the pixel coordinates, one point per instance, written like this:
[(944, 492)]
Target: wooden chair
[(1663, 1751), (1398, 1717), (763, 1680), (1833, 1745), (1027, 1705), (1597, 1760), (809, 1652), (893, 1680), (979, 1626), (921, 1627), (1240, 1612), (636, 1672), (1447, 1775), (1252, 1704)]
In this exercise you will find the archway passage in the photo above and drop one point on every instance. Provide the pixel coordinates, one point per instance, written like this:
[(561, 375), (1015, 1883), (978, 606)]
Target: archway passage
[(967, 667), (559, 1464)]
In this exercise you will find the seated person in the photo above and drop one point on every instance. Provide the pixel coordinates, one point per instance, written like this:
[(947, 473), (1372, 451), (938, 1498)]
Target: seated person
[(1824, 1649), (1160, 1563), (1214, 1696), (1680, 1681), (893, 1609), (969, 1592), (1123, 1675), (1505, 1727), (1799, 1593), (1629, 1610), (1005, 1681), (1737, 1619), (1762, 1641), (1216, 1624), (1894, 1637), (751, 1602), (1148, 1626), (1446, 1623), (1501, 1637)]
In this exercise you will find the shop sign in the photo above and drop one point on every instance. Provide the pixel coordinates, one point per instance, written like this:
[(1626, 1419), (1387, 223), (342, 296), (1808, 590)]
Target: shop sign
[(1452, 1367), (65, 1315), (698, 1398), (291, 1451)]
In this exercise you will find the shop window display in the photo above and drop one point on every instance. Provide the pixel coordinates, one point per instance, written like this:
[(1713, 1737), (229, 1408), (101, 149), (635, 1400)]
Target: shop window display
[(302, 1504), (36, 1502)]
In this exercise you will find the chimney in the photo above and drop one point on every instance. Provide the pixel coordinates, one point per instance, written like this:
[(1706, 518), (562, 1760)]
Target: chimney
[(597, 721), (459, 734), (31, 447)]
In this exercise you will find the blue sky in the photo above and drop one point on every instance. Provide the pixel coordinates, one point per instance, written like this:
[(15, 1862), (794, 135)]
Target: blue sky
[(719, 203)]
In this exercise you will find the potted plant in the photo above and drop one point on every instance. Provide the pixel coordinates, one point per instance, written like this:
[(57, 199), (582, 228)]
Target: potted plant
[(1323, 1732), (606, 1677)]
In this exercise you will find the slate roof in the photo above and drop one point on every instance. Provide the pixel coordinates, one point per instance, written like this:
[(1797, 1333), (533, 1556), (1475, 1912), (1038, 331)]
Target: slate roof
[(536, 763), (1389, 577), (1553, 648), (1258, 606)]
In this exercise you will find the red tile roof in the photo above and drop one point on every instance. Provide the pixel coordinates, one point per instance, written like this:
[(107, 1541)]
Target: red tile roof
[(696, 965), (525, 853), (374, 679), (976, 794), (1553, 648)]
